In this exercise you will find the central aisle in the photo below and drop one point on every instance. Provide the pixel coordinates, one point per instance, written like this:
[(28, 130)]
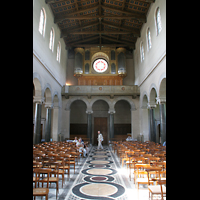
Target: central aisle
[(98, 178)]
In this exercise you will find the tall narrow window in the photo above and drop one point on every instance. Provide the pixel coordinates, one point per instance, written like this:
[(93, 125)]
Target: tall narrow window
[(42, 22), (51, 40), (148, 39), (58, 52), (141, 51), (158, 21)]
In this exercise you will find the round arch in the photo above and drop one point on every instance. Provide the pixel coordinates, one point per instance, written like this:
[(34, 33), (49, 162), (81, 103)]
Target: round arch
[(48, 93), (144, 100), (132, 105), (153, 91), (37, 84), (162, 88), (70, 101), (101, 98)]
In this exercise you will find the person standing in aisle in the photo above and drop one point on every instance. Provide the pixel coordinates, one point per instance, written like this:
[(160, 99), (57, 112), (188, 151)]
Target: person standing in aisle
[(100, 139)]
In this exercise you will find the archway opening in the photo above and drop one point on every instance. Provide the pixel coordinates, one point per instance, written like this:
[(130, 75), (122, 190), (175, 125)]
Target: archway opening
[(122, 120), (78, 120), (100, 121), (144, 118)]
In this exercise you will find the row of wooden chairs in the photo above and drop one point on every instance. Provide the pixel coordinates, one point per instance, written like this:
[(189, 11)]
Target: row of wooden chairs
[(147, 160), (52, 158)]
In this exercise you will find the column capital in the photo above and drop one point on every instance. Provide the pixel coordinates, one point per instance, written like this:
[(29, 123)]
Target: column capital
[(38, 99), (111, 111), (89, 111), (151, 105), (160, 100), (48, 105)]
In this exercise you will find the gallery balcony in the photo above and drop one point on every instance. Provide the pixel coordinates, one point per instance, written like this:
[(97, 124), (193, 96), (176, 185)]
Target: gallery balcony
[(105, 90)]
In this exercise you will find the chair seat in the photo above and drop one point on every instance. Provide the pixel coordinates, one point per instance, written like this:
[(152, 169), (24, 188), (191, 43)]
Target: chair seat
[(142, 180), (65, 167), (155, 189), (51, 179), (40, 191)]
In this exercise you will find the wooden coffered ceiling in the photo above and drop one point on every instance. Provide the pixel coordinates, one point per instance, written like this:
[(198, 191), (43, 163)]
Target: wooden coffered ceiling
[(91, 23)]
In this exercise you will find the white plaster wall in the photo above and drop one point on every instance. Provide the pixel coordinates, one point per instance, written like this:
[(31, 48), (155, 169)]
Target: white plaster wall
[(51, 73), (150, 72), (41, 44), (158, 42)]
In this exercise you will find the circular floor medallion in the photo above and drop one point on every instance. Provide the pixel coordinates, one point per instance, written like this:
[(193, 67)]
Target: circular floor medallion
[(99, 156), (101, 162), (99, 178), (98, 189), (99, 166), (99, 171)]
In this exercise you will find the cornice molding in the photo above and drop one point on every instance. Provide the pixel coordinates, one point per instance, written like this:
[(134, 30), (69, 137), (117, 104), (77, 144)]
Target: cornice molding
[(46, 67), (153, 68)]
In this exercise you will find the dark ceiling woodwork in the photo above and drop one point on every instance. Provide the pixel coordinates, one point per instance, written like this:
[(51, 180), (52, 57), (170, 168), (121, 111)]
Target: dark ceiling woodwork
[(90, 23)]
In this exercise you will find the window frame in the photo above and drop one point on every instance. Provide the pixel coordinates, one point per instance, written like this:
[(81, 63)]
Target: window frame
[(51, 39), (42, 20), (158, 22), (58, 55), (141, 51)]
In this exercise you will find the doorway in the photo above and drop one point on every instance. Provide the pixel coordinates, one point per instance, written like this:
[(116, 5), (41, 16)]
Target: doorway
[(100, 124)]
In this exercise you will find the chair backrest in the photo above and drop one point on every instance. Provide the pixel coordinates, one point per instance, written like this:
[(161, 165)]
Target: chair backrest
[(37, 164), (155, 171), (42, 171)]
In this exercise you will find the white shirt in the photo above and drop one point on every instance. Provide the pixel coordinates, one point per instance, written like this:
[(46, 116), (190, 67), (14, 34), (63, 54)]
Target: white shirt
[(100, 137)]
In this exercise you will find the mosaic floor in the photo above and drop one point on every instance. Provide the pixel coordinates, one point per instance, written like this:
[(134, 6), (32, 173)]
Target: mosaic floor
[(99, 176), (98, 179)]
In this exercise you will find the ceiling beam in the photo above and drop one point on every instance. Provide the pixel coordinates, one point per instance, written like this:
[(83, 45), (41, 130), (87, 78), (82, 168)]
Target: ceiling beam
[(120, 41), (102, 45), (65, 32), (140, 17), (101, 32), (94, 17), (85, 40), (135, 32), (59, 18)]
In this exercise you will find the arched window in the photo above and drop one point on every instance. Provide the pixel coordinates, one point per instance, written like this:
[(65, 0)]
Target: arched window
[(42, 22), (51, 40), (58, 52), (158, 21), (142, 51), (148, 39)]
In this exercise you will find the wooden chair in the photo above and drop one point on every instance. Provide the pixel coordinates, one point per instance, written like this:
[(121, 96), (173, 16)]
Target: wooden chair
[(65, 164), (40, 191), (54, 166), (140, 174), (156, 189)]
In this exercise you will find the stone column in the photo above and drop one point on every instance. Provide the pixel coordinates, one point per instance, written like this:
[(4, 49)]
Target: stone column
[(48, 122), (152, 125), (37, 125), (111, 124), (55, 123), (162, 106), (89, 125), (66, 123)]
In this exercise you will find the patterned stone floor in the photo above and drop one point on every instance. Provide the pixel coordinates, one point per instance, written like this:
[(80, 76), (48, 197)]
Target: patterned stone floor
[(99, 176)]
